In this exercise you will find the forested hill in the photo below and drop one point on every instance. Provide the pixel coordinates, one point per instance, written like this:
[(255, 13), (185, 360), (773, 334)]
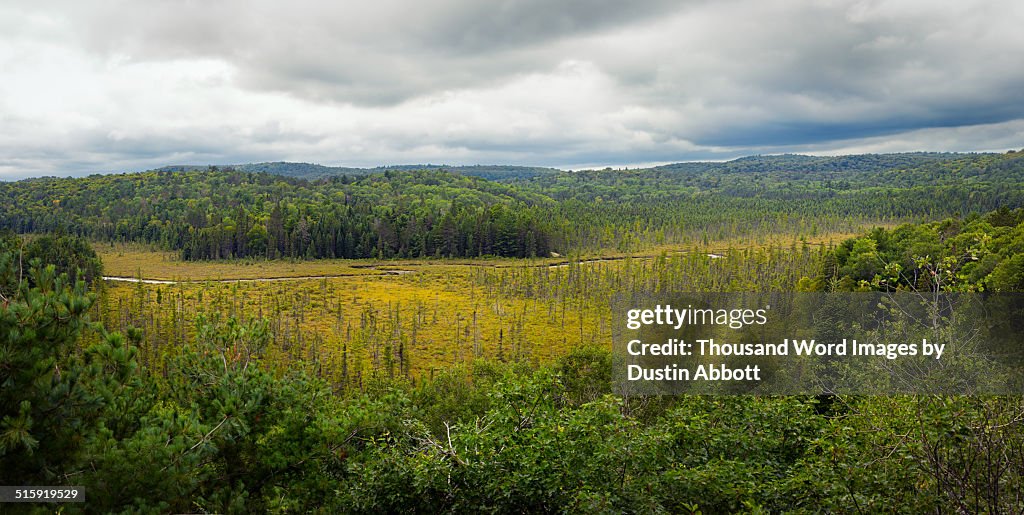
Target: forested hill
[(232, 213), (315, 171), (798, 176), (859, 163), (759, 164)]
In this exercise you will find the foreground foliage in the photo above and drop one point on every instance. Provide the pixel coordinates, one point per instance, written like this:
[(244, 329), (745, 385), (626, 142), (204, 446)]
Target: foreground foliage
[(219, 432)]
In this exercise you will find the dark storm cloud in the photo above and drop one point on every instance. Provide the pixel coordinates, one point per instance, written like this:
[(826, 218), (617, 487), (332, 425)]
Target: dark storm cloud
[(474, 27), (779, 73), (783, 131), (375, 53)]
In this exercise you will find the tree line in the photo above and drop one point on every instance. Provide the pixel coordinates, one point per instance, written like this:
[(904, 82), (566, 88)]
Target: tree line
[(232, 214), (229, 213), (974, 254)]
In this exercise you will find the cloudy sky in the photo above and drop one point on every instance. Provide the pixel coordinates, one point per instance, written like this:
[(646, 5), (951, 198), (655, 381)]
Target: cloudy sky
[(100, 86)]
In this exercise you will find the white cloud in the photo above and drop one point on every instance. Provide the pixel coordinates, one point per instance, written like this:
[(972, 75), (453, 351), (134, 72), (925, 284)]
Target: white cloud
[(115, 85)]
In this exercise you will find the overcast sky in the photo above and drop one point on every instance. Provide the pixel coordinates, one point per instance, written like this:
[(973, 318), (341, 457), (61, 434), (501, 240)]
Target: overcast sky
[(101, 86)]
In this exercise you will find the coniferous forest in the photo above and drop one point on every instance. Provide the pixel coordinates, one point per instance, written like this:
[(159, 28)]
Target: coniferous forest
[(285, 338)]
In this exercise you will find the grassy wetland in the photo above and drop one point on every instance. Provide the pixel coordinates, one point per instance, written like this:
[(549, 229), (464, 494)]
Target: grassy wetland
[(348, 319)]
